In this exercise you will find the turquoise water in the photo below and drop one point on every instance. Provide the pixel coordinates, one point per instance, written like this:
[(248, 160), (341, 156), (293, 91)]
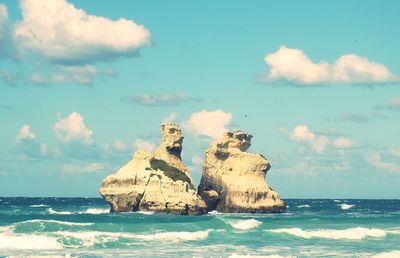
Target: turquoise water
[(82, 227)]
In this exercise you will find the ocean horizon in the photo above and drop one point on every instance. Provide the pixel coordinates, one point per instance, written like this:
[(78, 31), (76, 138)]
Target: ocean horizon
[(83, 227)]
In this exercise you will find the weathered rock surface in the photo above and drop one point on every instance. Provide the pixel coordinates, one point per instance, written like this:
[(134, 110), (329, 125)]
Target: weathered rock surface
[(159, 182), (233, 180)]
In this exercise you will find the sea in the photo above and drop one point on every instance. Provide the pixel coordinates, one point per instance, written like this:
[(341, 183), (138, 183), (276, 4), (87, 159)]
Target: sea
[(83, 227)]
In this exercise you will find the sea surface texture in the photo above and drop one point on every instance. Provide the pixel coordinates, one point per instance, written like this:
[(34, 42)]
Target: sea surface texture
[(83, 227)]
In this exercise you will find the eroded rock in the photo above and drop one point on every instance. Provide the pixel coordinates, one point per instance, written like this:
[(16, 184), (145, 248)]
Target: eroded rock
[(158, 183), (233, 180)]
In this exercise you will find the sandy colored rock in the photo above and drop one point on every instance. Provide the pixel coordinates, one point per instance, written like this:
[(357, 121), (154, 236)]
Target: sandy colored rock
[(159, 182), (233, 180)]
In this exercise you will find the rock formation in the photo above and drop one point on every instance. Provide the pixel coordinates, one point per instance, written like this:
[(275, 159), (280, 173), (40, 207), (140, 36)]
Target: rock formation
[(233, 180), (159, 182)]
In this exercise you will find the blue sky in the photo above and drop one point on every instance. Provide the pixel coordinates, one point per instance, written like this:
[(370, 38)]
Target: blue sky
[(83, 85)]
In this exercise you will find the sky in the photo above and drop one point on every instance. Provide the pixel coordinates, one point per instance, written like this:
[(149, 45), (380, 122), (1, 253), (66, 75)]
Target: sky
[(84, 84)]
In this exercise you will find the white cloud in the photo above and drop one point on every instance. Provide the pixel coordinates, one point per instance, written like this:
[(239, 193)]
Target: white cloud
[(301, 133), (141, 144), (60, 32), (92, 167), (209, 123), (163, 99), (25, 133), (119, 146), (344, 143), (387, 160), (293, 65), (170, 118), (27, 145), (73, 129)]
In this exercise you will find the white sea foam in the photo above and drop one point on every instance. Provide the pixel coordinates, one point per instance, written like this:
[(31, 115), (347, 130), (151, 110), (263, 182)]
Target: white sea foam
[(95, 211), (28, 242), (337, 201), (245, 224), (357, 233), (51, 211), (91, 237), (56, 222), (304, 206), (258, 256), (390, 254), (345, 206), (146, 212), (38, 205), (214, 212)]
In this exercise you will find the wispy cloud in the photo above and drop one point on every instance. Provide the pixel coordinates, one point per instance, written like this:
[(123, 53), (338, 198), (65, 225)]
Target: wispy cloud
[(83, 75), (390, 104), (293, 65), (89, 168), (163, 99), (6, 107), (360, 117), (387, 160)]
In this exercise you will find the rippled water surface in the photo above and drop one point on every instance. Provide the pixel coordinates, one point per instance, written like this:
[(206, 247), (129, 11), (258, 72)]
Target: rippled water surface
[(82, 227)]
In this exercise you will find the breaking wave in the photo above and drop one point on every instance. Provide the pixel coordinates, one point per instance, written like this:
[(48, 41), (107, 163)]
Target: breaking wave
[(51, 211), (304, 206), (356, 233), (91, 237), (245, 224), (391, 254), (28, 242), (345, 206), (56, 222), (38, 205), (95, 211)]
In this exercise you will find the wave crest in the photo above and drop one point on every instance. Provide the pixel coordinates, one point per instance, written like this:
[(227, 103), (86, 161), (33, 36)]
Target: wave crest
[(28, 242), (95, 211), (345, 206), (357, 233), (51, 211), (245, 224)]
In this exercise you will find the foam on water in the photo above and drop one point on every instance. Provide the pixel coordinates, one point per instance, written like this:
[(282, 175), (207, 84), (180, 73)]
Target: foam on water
[(304, 206), (91, 237), (51, 211), (245, 224), (95, 211), (356, 233), (345, 206), (56, 222), (146, 212), (258, 256), (28, 242), (391, 254), (38, 205)]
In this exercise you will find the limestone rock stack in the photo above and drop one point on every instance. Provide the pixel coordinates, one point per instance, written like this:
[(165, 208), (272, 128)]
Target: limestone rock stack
[(233, 180), (157, 182)]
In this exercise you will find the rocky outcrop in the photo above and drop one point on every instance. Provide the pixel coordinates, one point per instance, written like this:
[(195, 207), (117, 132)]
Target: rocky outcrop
[(233, 180), (157, 182)]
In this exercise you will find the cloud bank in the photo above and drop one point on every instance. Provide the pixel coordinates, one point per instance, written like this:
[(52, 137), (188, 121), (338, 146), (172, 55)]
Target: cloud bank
[(293, 65), (62, 33)]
